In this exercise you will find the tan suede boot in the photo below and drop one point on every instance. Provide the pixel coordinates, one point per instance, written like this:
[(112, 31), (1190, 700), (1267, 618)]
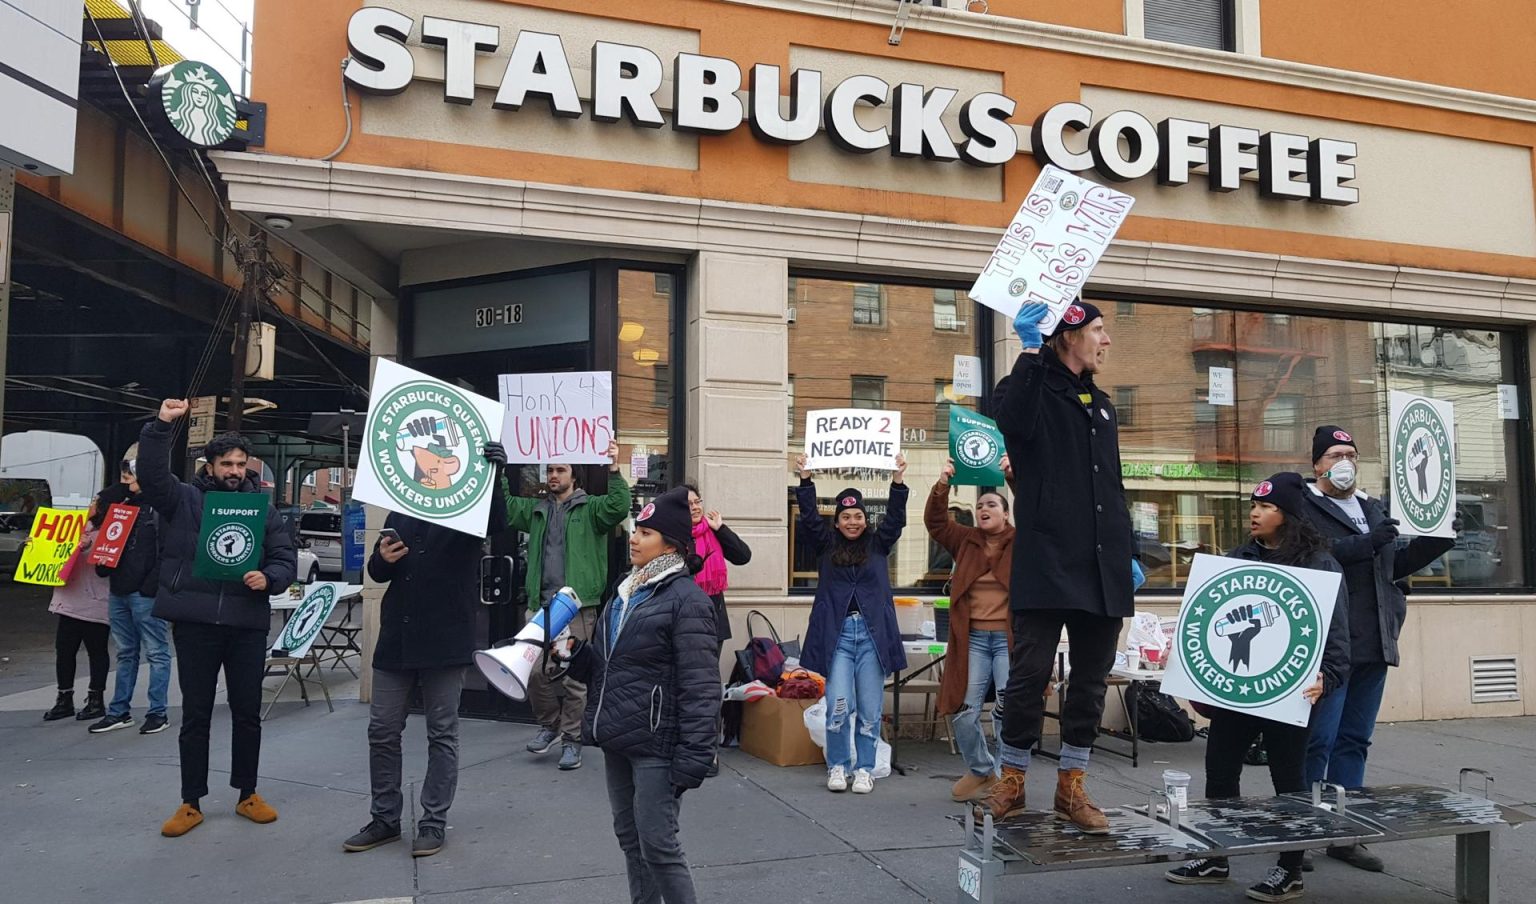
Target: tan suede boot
[(1006, 798), (972, 787), (1074, 805)]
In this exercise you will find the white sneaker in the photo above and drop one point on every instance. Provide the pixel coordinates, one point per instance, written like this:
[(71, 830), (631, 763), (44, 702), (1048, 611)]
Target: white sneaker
[(863, 782), (837, 779)]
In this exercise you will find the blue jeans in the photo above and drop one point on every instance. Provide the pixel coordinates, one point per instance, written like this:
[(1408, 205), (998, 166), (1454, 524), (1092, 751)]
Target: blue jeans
[(1342, 723), (134, 627), (856, 686), (986, 667)]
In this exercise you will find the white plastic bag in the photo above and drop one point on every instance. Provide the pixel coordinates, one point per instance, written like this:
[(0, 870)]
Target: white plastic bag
[(1147, 634), (816, 723)]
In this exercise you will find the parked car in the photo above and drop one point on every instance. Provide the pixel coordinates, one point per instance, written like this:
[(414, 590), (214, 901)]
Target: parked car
[(309, 564), (15, 527), (322, 531)]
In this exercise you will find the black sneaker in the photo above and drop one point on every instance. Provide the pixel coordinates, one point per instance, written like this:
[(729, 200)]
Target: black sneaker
[(1358, 856), (429, 840), (154, 723), (1280, 884), (570, 757), (1200, 872), (371, 836), (111, 723), (544, 741)]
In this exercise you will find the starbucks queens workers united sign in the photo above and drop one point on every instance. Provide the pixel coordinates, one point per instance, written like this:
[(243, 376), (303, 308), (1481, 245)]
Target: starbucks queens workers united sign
[(423, 449), (1250, 636), (1421, 449)]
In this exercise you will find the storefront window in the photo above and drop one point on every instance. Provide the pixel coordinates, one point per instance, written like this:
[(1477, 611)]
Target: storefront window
[(898, 356), (644, 383), (1188, 470)]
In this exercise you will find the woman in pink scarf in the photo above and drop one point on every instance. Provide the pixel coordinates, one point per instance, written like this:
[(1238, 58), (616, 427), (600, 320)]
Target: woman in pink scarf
[(716, 544)]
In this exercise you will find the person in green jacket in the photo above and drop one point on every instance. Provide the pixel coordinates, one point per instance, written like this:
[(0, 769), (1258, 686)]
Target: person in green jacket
[(568, 534)]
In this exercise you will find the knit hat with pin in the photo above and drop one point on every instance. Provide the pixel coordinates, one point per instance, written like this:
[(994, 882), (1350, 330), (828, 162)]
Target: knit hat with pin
[(668, 515), (1077, 315), (1285, 491), (850, 499)]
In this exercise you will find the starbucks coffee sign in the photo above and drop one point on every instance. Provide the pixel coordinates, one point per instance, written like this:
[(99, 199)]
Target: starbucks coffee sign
[(194, 102), (714, 96), (1420, 431), (1250, 636)]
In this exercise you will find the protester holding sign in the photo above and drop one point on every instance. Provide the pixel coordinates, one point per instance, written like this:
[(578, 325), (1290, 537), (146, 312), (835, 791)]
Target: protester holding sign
[(1072, 561), (853, 638), (568, 533), (1364, 539), (426, 640), (135, 578), (219, 625), (81, 605), (1278, 534), (979, 631)]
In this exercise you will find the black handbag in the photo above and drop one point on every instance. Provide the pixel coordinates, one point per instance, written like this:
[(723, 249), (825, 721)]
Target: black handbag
[(762, 659)]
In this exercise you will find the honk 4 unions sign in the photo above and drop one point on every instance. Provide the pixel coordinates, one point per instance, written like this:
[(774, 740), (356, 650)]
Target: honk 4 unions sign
[(1122, 146)]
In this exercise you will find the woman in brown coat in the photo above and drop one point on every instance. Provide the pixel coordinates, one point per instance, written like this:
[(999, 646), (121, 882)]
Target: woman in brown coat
[(979, 629)]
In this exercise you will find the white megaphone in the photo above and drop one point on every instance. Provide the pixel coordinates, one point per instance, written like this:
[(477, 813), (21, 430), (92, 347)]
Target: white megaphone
[(507, 668)]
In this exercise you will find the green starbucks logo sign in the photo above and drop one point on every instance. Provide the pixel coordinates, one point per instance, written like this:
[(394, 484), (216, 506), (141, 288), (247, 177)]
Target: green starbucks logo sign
[(425, 443), (308, 619), (230, 544), (1422, 457), (1251, 636), (195, 101), (976, 449)]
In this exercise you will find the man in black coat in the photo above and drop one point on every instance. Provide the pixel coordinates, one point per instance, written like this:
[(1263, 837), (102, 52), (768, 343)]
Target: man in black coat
[(1363, 538), (215, 624), (426, 639), (1072, 560)]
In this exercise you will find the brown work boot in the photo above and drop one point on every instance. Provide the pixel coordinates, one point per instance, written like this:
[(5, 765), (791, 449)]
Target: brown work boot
[(1074, 805), (1005, 800), (972, 787), (185, 820)]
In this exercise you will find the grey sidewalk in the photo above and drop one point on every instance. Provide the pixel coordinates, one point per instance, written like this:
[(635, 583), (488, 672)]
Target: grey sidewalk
[(83, 813)]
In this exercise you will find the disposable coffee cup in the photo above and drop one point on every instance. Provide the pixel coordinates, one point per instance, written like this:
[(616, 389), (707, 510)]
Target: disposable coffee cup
[(1133, 659), (1176, 788)]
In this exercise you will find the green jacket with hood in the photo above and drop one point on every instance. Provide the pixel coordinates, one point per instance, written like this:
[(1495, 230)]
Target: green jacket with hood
[(587, 527)]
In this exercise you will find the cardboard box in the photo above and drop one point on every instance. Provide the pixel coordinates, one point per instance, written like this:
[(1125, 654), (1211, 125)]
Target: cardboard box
[(773, 729)]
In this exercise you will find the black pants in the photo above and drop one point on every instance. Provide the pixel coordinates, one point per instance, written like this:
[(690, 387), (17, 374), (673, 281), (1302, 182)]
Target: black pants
[(1232, 733), (66, 643), (1036, 633), (201, 650)]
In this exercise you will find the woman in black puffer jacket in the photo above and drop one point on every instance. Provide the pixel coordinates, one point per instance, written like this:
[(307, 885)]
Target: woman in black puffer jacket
[(652, 672)]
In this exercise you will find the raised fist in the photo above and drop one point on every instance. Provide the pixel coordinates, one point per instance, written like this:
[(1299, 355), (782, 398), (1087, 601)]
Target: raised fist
[(171, 409)]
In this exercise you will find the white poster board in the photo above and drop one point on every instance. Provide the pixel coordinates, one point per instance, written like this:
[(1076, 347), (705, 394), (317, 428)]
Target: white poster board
[(1421, 446), (423, 449), (1055, 240), (303, 626), (1509, 402), (967, 376), (1222, 389), (852, 438), (1250, 636), (558, 418)]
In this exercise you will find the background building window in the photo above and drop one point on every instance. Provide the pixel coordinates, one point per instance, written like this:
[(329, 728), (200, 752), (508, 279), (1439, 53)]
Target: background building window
[(1125, 405), (868, 392), (1198, 23), (1282, 423), (1125, 309), (644, 383), (664, 284), (661, 390), (868, 305), (946, 310)]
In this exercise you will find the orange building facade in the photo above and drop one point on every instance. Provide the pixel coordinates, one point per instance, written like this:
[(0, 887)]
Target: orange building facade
[(750, 209)]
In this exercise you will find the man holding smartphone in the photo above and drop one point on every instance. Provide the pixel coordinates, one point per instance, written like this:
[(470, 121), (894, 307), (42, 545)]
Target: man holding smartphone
[(426, 640)]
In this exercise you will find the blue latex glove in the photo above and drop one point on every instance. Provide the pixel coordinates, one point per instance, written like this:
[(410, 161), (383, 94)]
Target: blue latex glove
[(1027, 323), (1138, 577)]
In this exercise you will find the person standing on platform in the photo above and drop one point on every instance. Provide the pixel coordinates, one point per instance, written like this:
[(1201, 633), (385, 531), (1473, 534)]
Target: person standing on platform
[(1363, 538), (426, 640), (1073, 563), (217, 625), (568, 533), (979, 631), (1279, 534), (82, 607), (853, 638)]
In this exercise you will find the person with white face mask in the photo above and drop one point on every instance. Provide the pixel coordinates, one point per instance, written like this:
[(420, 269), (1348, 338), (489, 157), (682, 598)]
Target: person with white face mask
[(1363, 538)]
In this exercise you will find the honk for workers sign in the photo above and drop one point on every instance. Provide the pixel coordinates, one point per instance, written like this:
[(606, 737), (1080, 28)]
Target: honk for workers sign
[(852, 438), (55, 535), (558, 418), (1421, 447), (1250, 637), (423, 449), (230, 542)]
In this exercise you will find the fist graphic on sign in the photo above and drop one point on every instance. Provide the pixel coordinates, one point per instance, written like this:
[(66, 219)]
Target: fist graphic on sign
[(1418, 460), (1241, 625)]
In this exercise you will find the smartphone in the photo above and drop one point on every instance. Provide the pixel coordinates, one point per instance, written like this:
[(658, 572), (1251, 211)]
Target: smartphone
[(390, 534)]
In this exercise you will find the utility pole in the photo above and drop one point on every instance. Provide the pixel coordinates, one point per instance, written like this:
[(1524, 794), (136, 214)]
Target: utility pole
[(252, 270)]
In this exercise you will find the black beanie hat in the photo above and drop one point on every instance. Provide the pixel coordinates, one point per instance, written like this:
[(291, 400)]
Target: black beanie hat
[(668, 515), (1328, 436), (1077, 315), (850, 499), (1285, 491)]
